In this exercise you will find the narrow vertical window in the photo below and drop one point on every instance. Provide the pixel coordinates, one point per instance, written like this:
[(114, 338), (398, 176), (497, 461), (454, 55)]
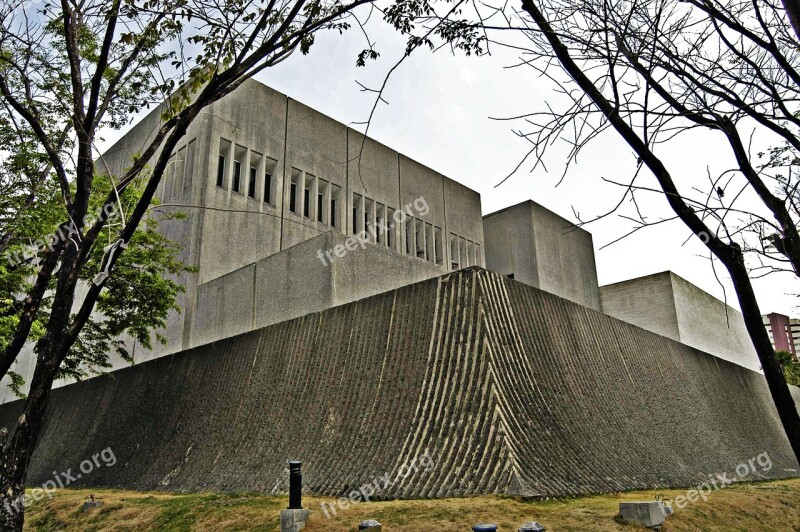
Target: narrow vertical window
[(322, 210), (180, 165), (237, 175), (334, 205), (308, 191), (390, 227), (252, 175), (293, 199), (267, 187), (429, 246), (410, 245), (239, 156), (189, 173), (251, 183), (419, 229), (454, 264), (437, 246), (380, 228), (358, 205), (269, 181), (221, 170), (369, 219), (222, 162)]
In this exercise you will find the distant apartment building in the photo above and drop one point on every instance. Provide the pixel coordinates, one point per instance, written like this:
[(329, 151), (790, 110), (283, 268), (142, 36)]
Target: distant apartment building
[(784, 332)]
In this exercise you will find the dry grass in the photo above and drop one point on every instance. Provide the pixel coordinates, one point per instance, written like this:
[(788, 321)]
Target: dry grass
[(760, 506)]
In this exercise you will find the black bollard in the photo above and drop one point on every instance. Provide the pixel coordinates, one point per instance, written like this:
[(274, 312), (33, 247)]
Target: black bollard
[(295, 485)]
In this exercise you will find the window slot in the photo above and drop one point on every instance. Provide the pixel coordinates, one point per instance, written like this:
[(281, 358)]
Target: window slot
[(390, 227), (410, 244), (238, 162), (222, 163), (189, 172), (334, 205), (454, 262), (437, 246), (269, 181), (358, 206), (419, 228), (322, 211), (308, 191), (293, 204)]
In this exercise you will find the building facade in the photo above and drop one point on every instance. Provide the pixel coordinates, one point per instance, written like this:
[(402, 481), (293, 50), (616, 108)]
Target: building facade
[(784, 332), (667, 304), (534, 245)]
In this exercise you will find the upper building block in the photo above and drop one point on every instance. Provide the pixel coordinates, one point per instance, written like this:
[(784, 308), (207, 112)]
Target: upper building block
[(669, 305), (537, 247)]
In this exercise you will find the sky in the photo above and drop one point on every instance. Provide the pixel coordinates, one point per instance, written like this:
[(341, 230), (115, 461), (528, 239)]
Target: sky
[(443, 111)]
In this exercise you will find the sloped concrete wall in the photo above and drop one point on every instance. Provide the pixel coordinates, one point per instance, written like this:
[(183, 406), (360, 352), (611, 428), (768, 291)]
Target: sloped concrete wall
[(507, 389)]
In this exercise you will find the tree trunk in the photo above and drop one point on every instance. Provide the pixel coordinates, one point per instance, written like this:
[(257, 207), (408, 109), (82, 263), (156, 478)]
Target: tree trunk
[(729, 254), (17, 450), (792, 8), (781, 396)]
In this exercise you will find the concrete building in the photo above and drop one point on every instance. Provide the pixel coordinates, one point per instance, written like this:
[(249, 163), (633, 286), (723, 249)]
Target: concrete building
[(259, 173), (669, 305), (794, 323), (784, 333), (290, 212), (533, 245)]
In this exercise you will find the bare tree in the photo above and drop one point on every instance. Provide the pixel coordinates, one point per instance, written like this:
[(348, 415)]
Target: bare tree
[(653, 70)]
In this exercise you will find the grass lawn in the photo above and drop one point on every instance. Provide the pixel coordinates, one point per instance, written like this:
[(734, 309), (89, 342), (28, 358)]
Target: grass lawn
[(757, 506)]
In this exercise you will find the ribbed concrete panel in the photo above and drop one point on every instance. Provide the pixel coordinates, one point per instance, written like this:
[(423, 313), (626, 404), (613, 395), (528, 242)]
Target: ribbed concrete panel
[(507, 388)]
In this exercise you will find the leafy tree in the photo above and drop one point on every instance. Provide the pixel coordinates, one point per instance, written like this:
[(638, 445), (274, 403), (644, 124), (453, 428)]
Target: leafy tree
[(71, 69), (790, 366)]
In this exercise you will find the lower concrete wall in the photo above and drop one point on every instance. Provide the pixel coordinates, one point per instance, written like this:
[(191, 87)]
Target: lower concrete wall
[(500, 387), (667, 304), (308, 277)]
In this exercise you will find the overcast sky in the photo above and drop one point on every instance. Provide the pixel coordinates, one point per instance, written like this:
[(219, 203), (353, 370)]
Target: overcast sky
[(440, 114)]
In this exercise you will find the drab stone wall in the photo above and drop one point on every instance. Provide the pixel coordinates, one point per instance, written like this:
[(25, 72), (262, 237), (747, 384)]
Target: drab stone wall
[(507, 388)]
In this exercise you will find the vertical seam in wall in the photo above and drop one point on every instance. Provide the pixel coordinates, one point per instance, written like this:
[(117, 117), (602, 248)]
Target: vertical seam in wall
[(399, 233), (189, 317), (445, 231), (253, 306), (675, 306), (283, 184), (348, 209)]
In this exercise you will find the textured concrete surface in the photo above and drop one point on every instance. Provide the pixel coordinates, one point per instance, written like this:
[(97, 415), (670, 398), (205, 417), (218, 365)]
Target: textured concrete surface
[(667, 304), (225, 231), (508, 389), (541, 249), (294, 520)]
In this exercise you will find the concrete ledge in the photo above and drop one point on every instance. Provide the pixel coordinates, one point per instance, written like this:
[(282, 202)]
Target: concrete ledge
[(651, 514)]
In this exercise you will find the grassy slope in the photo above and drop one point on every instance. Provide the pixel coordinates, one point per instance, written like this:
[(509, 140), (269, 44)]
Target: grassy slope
[(759, 506)]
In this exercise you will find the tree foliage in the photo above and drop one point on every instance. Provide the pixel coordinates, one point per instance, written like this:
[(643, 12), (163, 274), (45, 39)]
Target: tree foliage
[(790, 366)]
